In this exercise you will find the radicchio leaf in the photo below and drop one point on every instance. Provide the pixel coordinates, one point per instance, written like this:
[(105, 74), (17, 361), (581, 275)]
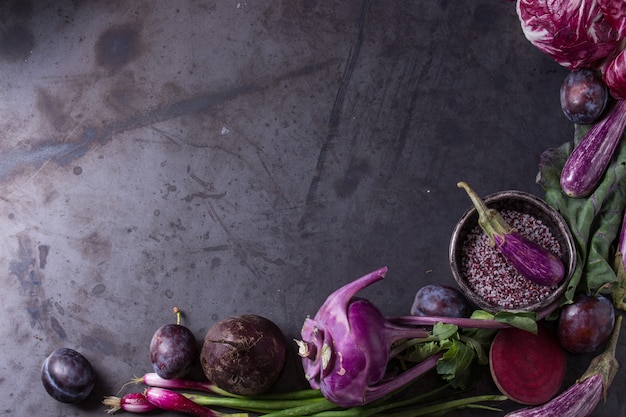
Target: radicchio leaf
[(614, 12), (614, 75), (573, 32)]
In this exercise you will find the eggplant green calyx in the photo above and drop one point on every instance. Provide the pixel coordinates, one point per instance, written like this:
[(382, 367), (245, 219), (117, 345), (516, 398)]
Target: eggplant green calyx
[(490, 220), (605, 364)]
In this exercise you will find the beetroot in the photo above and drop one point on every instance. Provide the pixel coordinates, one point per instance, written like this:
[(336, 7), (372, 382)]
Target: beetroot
[(528, 368), (244, 355)]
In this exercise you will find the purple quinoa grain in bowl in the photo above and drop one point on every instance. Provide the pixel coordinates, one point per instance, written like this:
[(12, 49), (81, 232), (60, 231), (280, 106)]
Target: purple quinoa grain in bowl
[(482, 272)]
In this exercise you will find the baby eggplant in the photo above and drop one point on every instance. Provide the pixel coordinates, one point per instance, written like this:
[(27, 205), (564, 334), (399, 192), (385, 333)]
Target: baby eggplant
[(589, 160), (530, 259)]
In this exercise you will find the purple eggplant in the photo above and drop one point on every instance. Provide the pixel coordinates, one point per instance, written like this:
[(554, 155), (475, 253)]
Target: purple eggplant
[(590, 158), (530, 259)]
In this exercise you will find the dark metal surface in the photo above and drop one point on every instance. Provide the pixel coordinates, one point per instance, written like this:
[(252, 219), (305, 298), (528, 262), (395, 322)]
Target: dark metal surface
[(233, 157)]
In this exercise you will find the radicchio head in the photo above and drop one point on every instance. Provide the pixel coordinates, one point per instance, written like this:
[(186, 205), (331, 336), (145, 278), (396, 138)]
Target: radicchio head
[(614, 75), (614, 12), (574, 33)]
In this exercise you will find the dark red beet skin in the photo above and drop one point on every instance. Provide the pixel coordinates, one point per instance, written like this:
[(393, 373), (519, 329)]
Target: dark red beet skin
[(586, 323), (244, 355)]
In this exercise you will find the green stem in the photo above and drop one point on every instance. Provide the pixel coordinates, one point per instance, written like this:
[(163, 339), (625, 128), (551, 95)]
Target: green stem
[(490, 220), (447, 406), (313, 407), (303, 394), (250, 404), (374, 409)]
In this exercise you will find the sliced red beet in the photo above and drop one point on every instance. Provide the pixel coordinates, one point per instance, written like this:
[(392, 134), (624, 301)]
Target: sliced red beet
[(528, 368)]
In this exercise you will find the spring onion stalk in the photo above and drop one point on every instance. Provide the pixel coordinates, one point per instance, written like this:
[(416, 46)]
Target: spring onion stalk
[(383, 405), (442, 408), (250, 404), (303, 394), (134, 402), (310, 408), (153, 380), (170, 400)]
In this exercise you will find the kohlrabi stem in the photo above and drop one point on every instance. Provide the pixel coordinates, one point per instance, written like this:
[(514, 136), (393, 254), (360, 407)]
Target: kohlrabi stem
[(470, 323)]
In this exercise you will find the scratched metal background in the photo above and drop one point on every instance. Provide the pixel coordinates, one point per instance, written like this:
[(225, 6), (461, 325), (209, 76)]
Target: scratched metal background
[(234, 157)]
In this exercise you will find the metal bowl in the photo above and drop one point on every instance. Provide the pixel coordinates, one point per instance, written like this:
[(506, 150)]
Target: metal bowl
[(524, 203)]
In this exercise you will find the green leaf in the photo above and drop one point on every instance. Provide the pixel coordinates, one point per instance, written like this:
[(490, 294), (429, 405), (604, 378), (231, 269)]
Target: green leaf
[(483, 337), (522, 320), (479, 348), (444, 331), (594, 221), (481, 315), (421, 351), (455, 365)]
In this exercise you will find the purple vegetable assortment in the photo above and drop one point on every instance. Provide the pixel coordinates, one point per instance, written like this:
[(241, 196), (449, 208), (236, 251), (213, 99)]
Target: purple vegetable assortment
[(357, 361)]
